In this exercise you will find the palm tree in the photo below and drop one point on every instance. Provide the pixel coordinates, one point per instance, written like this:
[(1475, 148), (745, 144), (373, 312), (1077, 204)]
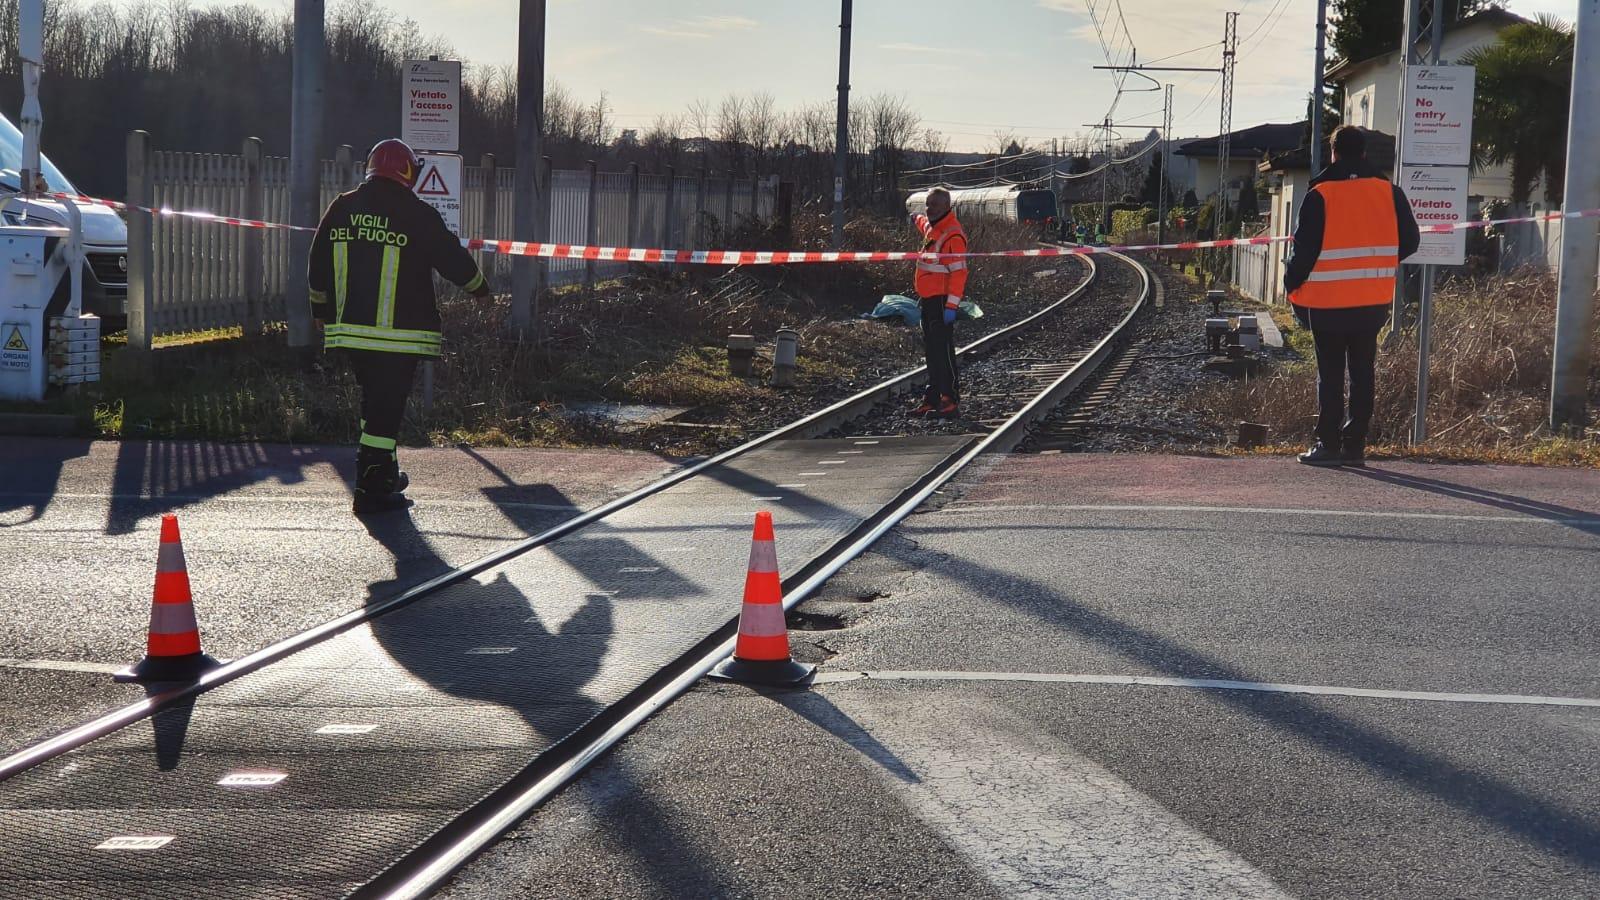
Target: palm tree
[(1520, 113)]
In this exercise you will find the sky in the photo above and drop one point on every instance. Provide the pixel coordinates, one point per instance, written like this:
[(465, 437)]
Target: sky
[(969, 67)]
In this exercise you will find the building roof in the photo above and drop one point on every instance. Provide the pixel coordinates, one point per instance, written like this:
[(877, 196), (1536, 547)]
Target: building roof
[(1494, 16), (1262, 140), (1380, 152)]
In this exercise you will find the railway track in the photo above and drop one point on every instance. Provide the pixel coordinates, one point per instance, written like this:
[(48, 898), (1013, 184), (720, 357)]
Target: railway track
[(1022, 373)]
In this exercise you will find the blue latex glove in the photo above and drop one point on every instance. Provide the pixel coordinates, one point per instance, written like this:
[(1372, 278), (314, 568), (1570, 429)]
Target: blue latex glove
[(949, 315)]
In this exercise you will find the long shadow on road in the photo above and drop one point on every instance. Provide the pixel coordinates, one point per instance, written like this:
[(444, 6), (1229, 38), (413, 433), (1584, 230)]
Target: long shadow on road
[(1539, 822)]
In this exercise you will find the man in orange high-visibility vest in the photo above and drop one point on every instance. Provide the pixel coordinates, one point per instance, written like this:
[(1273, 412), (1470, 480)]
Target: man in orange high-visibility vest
[(940, 283), (1354, 229)]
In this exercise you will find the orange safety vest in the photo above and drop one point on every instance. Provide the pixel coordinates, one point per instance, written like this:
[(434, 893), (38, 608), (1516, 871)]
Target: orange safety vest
[(1360, 251), (947, 276)]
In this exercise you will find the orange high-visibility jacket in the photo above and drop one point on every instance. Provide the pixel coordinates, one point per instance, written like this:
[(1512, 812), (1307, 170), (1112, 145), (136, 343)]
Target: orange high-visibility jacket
[(947, 276), (1359, 256)]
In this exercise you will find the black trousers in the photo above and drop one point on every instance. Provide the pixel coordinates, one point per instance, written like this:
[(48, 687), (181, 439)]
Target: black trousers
[(385, 381), (1347, 342), (939, 343)]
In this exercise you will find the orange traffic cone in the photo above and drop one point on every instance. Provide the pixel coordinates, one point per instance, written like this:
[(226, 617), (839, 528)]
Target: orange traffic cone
[(761, 654), (173, 652)]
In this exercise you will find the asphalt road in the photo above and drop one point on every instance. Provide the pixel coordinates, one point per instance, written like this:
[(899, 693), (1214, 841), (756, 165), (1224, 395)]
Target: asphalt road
[(1016, 753), (270, 543), (1406, 578)]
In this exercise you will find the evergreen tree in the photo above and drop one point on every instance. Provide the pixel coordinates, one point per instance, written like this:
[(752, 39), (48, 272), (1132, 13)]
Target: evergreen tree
[(1156, 188)]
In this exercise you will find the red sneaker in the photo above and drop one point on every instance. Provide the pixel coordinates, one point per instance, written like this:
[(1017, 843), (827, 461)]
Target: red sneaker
[(924, 410), (948, 408)]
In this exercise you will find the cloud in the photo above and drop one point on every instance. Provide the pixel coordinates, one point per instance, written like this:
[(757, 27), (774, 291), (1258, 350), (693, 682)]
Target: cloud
[(701, 27), (924, 48), (674, 32)]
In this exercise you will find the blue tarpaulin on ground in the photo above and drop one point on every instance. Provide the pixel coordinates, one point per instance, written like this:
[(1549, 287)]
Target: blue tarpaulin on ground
[(903, 307)]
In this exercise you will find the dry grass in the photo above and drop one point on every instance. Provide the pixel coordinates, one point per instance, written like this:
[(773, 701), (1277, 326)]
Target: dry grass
[(1488, 390)]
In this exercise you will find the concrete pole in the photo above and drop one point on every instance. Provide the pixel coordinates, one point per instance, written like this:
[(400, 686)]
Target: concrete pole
[(526, 224), (1580, 238), (305, 161), (141, 252), (841, 131), (253, 238), (591, 220), (633, 205), (1317, 85), (489, 224)]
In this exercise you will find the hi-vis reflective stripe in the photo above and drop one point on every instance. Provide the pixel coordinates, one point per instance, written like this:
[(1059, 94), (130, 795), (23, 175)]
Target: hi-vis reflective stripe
[(936, 267), (762, 620), (341, 277), (475, 283), (1358, 253), (1350, 274), (172, 618), (378, 443), (763, 557), (391, 272), (389, 340)]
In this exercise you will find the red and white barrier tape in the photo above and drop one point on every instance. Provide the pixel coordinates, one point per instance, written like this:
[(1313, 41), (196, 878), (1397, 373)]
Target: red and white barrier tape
[(785, 257)]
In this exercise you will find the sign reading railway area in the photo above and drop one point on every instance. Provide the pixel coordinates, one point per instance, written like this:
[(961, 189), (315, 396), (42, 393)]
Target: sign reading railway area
[(430, 105), (1437, 115)]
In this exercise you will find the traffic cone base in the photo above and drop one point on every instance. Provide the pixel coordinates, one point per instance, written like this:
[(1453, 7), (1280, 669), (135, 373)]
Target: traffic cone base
[(775, 673), (761, 653), (167, 668)]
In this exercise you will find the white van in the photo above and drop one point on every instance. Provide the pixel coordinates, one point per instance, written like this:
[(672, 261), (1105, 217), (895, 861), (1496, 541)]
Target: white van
[(105, 234)]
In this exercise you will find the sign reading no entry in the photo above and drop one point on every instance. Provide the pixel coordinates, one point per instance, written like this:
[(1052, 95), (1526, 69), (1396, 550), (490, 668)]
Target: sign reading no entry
[(1437, 118), (430, 105)]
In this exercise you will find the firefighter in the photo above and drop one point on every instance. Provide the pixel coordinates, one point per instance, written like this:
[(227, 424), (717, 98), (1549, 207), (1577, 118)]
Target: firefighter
[(1354, 229), (371, 278), (939, 283)]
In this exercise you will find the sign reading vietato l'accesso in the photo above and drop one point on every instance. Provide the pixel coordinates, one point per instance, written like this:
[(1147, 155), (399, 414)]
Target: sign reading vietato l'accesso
[(430, 105), (1438, 196), (1436, 116)]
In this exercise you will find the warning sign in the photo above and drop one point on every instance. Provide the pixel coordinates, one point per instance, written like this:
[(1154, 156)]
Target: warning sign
[(430, 105), (440, 185), (14, 352)]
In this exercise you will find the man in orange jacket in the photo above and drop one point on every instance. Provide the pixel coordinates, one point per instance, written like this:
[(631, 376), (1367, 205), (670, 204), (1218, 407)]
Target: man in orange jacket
[(940, 283), (1354, 229)]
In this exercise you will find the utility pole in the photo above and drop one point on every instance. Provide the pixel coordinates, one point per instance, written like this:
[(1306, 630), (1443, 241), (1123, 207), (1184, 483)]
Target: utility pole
[(1580, 238), (305, 161), (1230, 52), (1317, 87), (1164, 157), (1411, 38), (527, 221), (841, 137)]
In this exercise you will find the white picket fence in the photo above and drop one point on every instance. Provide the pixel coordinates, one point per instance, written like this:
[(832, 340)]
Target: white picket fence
[(206, 275), (1254, 273)]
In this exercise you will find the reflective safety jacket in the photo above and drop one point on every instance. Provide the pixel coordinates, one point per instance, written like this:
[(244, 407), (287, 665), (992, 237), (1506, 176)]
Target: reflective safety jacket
[(1354, 229), (372, 265), (947, 276)]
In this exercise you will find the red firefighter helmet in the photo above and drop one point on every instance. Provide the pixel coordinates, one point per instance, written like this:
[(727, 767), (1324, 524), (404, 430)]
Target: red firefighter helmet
[(394, 160)]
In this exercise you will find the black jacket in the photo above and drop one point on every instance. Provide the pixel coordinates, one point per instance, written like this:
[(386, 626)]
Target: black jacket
[(372, 265), (1313, 216)]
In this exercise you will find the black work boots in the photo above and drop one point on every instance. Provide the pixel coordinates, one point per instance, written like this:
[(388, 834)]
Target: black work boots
[(380, 485), (1352, 453)]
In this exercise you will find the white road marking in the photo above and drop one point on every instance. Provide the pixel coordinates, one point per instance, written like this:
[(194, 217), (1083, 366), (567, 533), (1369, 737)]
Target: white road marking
[(345, 729), (135, 842), (491, 651), (832, 462), (1217, 684), (62, 665), (984, 506), (1036, 819), (805, 474), (790, 487), (252, 779)]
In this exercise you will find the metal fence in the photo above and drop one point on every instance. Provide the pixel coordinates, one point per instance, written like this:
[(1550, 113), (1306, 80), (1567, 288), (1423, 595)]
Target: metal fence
[(1253, 272), (205, 275)]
